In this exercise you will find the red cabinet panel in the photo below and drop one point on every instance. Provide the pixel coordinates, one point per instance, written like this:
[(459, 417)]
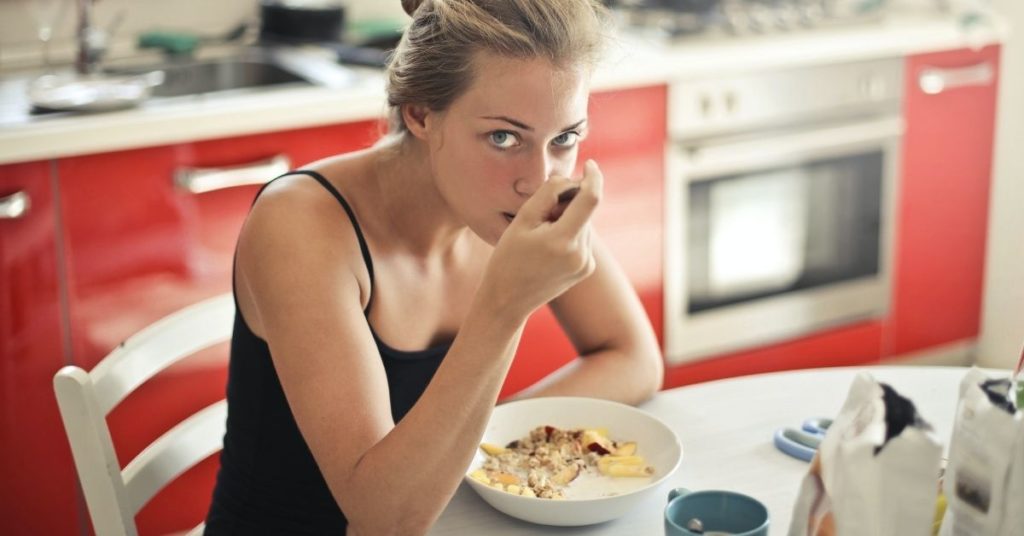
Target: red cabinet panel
[(138, 248), (943, 205), (627, 139), (38, 493), (858, 344)]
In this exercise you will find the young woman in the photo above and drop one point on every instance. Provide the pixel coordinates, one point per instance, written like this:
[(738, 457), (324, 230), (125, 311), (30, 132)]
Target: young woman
[(381, 294)]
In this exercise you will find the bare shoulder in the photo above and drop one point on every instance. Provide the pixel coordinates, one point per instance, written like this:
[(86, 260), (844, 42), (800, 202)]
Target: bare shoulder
[(297, 240)]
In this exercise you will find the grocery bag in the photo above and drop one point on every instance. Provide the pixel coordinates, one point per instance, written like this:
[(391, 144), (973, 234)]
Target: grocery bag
[(876, 471), (984, 482)]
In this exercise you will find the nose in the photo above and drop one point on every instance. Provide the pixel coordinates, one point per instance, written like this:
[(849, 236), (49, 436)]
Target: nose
[(535, 171)]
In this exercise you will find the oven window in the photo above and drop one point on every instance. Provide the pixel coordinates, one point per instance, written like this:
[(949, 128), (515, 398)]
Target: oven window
[(781, 230)]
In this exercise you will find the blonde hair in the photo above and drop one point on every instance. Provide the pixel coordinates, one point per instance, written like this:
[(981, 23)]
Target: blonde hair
[(432, 64)]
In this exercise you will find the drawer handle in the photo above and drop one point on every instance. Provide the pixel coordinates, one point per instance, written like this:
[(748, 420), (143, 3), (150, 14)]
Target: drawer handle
[(934, 80), (15, 206), (202, 180)]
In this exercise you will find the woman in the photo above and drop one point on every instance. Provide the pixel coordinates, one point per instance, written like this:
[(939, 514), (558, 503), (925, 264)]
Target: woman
[(381, 294)]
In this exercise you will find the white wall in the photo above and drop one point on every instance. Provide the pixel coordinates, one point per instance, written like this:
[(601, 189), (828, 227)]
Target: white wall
[(1002, 331)]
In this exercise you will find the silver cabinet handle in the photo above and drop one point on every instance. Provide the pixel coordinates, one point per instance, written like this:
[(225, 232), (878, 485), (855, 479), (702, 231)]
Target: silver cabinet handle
[(934, 80), (15, 206), (201, 180)]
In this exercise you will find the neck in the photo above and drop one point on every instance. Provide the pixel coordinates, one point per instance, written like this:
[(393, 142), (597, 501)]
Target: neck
[(408, 194)]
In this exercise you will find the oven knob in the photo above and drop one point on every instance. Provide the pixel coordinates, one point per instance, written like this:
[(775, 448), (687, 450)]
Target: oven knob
[(705, 105), (731, 101), (872, 87)]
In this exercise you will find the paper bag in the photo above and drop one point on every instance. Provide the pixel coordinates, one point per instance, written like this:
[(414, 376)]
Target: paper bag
[(876, 471), (984, 483)]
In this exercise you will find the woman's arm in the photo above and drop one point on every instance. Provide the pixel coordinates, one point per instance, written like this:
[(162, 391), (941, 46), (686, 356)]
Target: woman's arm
[(619, 354), (302, 270)]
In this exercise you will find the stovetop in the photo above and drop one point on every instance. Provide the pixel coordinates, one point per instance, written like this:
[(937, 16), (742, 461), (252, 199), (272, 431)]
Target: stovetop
[(681, 18)]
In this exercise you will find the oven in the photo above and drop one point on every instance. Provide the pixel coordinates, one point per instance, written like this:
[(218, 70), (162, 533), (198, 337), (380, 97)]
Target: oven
[(780, 198)]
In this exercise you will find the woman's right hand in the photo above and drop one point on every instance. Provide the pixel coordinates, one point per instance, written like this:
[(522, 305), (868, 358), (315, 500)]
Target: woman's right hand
[(542, 254)]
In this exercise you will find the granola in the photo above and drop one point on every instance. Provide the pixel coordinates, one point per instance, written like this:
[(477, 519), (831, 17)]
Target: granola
[(543, 463)]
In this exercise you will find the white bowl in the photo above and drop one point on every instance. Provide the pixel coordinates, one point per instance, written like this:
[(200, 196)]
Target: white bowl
[(588, 500)]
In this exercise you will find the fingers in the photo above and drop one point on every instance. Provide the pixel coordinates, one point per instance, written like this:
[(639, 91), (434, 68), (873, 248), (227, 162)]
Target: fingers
[(544, 201), (582, 206)]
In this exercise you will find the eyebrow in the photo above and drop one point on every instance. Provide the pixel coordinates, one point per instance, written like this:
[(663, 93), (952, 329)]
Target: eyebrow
[(528, 128)]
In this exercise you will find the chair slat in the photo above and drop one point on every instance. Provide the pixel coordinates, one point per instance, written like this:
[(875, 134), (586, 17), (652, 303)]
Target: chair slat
[(156, 347), (115, 496), (188, 443)]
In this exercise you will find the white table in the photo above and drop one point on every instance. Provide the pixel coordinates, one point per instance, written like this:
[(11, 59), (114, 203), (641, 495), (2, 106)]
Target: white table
[(726, 430)]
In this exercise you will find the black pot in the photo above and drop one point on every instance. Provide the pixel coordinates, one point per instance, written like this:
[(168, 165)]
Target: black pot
[(281, 21)]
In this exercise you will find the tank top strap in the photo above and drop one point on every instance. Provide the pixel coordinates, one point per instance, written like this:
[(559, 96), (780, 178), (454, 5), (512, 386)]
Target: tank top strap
[(351, 216)]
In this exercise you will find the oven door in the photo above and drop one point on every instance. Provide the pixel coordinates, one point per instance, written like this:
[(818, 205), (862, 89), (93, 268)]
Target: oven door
[(778, 235)]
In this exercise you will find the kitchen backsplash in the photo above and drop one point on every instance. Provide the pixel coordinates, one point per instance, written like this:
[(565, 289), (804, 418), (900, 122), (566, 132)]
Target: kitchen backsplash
[(20, 45)]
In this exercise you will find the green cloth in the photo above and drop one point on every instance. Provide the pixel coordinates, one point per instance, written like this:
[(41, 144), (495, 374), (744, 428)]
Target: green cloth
[(170, 42)]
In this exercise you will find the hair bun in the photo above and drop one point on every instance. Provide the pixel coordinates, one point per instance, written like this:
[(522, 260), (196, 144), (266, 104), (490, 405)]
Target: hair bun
[(410, 5)]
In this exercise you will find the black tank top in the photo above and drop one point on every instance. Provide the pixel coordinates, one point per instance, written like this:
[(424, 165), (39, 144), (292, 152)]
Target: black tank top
[(268, 482)]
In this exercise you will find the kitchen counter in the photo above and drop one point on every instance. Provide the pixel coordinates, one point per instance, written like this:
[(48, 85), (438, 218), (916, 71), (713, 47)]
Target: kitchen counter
[(633, 60)]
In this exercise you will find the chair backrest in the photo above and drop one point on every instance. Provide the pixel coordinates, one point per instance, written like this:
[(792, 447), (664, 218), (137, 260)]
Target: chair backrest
[(114, 495)]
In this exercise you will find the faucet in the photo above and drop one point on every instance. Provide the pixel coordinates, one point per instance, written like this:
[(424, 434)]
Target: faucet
[(92, 41)]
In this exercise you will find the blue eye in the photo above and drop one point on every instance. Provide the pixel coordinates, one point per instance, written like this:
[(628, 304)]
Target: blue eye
[(566, 139), (503, 139)]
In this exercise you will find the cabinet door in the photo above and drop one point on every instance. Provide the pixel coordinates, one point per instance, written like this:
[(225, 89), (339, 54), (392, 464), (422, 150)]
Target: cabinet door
[(139, 247), (627, 139), (856, 344), (39, 492), (943, 202)]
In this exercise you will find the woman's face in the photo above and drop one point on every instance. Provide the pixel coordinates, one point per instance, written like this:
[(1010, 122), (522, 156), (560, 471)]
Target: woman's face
[(519, 123)]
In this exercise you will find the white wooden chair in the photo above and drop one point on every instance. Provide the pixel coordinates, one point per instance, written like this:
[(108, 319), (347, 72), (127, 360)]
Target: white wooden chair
[(114, 496)]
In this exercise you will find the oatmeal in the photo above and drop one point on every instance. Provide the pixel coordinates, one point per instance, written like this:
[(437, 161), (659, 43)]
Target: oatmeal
[(545, 462)]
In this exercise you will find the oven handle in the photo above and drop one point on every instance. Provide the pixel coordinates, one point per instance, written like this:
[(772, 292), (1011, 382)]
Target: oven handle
[(934, 80), (705, 162)]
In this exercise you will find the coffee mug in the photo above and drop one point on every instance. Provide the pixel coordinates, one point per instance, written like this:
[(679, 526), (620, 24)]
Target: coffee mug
[(718, 513)]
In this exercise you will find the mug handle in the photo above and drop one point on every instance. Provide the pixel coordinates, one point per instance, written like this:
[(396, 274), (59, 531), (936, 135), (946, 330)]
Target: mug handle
[(678, 492)]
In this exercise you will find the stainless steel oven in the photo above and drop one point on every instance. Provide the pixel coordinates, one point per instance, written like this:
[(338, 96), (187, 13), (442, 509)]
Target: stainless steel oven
[(780, 199)]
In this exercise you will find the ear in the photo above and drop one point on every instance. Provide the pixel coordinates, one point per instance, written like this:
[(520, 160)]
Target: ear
[(415, 118)]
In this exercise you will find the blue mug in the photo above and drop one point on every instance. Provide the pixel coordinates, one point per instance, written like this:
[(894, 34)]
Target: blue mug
[(720, 513)]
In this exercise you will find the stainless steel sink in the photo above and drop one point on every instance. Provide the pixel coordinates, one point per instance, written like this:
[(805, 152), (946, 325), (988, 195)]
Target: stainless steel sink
[(195, 77)]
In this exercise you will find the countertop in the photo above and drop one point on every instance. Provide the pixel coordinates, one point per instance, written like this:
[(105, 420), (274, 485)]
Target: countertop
[(633, 60)]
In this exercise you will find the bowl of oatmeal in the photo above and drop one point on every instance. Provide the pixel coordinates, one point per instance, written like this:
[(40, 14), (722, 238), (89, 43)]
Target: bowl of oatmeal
[(569, 461)]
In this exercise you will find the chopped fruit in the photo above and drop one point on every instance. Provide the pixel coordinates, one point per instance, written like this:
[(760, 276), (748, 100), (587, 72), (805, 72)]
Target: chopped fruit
[(621, 460), (566, 475), (597, 442), (627, 470), (480, 475), (491, 449), (505, 478)]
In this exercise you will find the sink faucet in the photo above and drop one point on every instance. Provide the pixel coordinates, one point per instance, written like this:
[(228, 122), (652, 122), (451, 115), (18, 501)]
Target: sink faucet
[(92, 41)]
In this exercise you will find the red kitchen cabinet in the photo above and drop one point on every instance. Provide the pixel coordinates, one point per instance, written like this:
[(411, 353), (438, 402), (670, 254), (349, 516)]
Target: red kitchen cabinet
[(627, 140), (857, 344), (35, 460), (139, 246), (950, 104)]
